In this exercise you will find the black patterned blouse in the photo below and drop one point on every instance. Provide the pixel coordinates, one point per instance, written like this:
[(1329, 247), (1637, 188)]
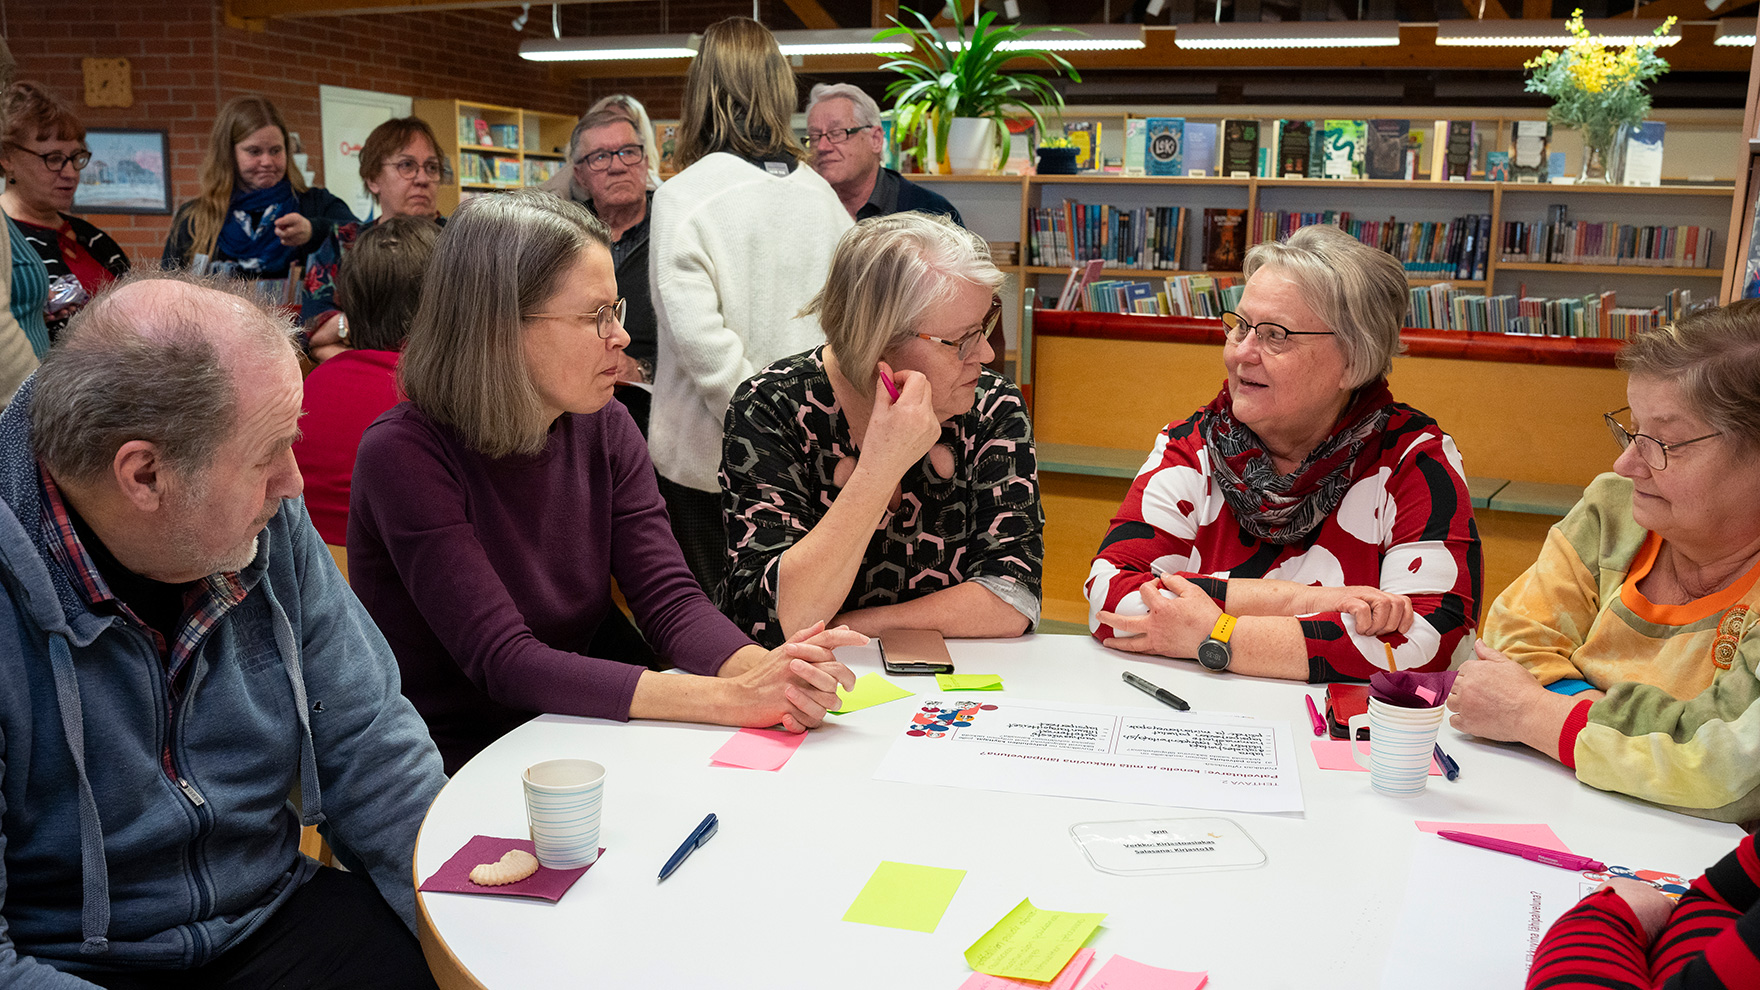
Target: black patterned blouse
[(784, 438), (78, 256)]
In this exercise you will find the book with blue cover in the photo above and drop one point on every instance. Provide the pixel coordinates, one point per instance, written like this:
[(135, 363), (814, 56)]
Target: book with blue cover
[(1644, 154), (1166, 145), (1200, 148)]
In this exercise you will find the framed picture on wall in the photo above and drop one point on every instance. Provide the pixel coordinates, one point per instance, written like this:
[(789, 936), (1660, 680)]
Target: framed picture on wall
[(127, 173)]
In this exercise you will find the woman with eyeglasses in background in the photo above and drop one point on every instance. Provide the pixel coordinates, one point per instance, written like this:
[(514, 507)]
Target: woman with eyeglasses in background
[(1630, 651), (402, 169), (43, 154), (1303, 524), (850, 504)]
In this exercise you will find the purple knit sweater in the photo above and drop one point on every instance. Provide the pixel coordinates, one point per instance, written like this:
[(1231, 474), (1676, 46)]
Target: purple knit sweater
[(489, 576)]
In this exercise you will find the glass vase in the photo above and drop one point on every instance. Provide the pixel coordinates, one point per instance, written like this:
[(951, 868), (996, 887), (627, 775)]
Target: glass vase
[(1604, 159)]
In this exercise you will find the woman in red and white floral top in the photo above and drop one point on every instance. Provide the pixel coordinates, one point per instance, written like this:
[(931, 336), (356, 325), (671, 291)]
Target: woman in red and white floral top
[(1332, 522)]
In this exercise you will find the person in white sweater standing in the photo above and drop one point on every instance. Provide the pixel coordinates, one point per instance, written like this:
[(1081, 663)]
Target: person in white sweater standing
[(741, 239)]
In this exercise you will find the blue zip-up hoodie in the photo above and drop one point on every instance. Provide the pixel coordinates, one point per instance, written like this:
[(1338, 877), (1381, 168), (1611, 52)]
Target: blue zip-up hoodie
[(293, 696)]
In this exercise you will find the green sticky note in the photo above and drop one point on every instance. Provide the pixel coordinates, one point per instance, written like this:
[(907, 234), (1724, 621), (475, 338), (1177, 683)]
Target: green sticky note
[(870, 690), (1030, 944), (969, 682), (900, 895)]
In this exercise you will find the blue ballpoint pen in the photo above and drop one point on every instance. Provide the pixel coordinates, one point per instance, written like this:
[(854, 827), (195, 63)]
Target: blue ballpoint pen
[(1450, 768), (700, 835)]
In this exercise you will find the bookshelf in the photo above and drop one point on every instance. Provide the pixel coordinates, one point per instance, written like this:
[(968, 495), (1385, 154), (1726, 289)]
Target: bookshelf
[(512, 147), (999, 209)]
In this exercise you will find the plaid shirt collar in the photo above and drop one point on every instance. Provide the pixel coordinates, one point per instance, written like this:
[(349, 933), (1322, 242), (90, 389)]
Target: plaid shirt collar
[(203, 604)]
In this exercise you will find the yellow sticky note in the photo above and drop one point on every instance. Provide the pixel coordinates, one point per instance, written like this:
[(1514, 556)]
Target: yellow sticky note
[(870, 690), (1030, 944), (969, 682), (901, 895)]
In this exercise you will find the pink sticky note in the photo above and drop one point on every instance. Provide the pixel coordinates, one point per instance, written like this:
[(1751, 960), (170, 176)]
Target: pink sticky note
[(1066, 980), (1533, 835), (1427, 693), (1335, 754), (1120, 973), (758, 749)]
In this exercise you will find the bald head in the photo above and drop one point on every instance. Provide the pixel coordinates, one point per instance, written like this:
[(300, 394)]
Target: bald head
[(159, 357)]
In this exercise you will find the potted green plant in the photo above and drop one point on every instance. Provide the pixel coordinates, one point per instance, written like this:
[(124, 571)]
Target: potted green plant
[(1599, 90), (949, 80)]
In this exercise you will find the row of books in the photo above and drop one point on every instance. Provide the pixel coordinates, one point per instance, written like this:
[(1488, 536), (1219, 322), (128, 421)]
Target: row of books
[(1580, 242), (1151, 237), (540, 170), (473, 129), (489, 168), (1180, 295), (1443, 307), (1459, 248)]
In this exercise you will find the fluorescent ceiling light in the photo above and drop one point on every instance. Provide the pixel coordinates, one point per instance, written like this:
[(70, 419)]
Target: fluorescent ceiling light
[(1524, 33), (1288, 34), (609, 48), (851, 41), (1733, 36), (1087, 38)]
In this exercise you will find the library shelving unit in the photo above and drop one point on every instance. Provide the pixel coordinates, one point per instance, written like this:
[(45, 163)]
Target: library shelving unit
[(525, 146)]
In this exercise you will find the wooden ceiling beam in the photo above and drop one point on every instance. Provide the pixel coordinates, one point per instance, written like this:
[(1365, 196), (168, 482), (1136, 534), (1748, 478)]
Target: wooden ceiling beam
[(1536, 10), (263, 9), (883, 13), (1493, 10), (812, 15), (1690, 10)]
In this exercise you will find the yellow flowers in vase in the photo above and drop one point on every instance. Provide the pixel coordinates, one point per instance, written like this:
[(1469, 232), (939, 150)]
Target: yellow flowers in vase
[(1598, 89)]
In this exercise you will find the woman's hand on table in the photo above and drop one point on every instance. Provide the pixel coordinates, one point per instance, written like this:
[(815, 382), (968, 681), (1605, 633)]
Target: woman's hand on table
[(293, 229), (1651, 906), (1495, 697), (1175, 624), (793, 685)]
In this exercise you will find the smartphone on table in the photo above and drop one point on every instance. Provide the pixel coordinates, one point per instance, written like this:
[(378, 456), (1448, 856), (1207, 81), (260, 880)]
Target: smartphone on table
[(914, 651)]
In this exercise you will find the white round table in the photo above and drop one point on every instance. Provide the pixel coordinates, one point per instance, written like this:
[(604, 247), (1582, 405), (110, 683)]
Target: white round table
[(761, 904)]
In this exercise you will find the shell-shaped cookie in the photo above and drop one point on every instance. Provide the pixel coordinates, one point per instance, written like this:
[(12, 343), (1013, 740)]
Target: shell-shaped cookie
[(513, 866)]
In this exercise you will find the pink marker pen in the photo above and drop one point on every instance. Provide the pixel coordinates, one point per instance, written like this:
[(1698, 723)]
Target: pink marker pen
[(891, 389)]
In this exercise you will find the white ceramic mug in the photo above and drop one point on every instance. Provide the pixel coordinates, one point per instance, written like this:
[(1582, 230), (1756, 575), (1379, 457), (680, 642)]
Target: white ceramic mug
[(563, 803), (1402, 742)]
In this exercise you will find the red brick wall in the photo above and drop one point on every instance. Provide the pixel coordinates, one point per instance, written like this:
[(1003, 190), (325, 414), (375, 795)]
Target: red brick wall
[(186, 63)]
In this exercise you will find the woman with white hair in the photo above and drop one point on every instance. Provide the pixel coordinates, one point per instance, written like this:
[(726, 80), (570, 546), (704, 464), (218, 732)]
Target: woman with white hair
[(1303, 524), (886, 480)]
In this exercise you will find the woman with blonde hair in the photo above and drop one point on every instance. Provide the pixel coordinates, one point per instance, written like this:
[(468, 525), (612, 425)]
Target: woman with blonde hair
[(852, 503), (255, 217), (729, 281), (490, 513)]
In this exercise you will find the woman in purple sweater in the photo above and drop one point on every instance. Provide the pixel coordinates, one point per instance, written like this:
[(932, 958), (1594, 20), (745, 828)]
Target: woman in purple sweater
[(490, 512)]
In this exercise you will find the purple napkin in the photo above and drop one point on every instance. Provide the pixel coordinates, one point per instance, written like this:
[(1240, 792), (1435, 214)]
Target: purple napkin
[(1411, 689), (455, 876)]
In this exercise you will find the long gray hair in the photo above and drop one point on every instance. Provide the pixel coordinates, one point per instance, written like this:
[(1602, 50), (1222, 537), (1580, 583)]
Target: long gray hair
[(500, 259)]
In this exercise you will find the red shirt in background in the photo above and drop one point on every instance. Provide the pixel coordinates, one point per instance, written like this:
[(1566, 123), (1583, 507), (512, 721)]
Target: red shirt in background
[(343, 396)]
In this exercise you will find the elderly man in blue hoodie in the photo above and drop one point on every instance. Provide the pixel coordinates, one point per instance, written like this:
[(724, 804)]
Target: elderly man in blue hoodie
[(185, 677)]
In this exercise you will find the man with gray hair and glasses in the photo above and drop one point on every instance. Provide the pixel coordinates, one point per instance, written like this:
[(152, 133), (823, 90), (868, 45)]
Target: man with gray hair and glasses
[(847, 142), (187, 678)]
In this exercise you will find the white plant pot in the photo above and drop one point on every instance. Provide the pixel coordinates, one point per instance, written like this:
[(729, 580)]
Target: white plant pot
[(971, 145)]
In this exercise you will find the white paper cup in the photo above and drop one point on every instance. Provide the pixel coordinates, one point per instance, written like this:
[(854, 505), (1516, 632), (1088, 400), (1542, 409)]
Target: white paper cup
[(1402, 742), (563, 802)]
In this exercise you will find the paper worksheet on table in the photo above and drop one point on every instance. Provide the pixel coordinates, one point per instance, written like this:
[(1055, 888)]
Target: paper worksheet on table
[(1215, 761)]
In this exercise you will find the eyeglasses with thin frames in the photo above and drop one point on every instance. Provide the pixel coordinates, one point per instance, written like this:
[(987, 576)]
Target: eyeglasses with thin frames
[(966, 344), (433, 168), (57, 160), (835, 135), (1653, 452), (1274, 337), (630, 154), (604, 318)]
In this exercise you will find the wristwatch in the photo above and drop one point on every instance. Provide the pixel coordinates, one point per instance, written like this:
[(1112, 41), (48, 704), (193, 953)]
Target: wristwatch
[(1214, 653)]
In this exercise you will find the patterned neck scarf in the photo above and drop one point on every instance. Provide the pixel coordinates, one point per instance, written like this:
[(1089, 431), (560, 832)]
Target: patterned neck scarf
[(248, 235), (1284, 508)]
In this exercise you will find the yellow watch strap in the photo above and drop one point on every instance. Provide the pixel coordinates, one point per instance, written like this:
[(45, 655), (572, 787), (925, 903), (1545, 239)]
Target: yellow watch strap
[(1224, 628)]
